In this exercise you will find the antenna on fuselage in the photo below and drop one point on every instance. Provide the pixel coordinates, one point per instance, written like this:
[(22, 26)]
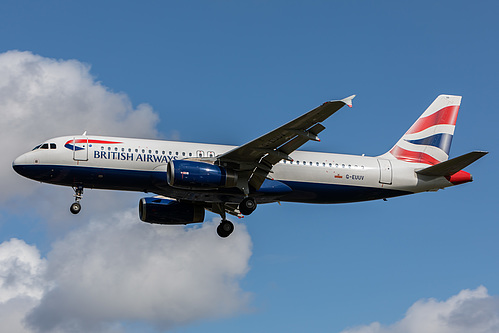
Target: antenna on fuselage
[(84, 133)]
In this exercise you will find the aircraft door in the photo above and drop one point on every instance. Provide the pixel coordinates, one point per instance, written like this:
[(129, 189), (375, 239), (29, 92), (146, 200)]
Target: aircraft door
[(80, 149), (385, 171)]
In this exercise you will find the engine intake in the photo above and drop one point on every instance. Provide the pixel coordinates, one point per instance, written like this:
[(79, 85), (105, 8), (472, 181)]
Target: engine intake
[(192, 174), (164, 211)]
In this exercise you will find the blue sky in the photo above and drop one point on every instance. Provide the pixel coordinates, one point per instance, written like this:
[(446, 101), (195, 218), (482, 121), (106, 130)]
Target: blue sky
[(227, 72)]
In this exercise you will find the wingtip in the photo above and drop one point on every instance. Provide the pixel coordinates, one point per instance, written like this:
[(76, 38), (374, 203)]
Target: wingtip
[(348, 100)]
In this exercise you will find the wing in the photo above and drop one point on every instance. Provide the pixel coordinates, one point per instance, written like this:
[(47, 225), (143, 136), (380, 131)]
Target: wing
[(255, 159)]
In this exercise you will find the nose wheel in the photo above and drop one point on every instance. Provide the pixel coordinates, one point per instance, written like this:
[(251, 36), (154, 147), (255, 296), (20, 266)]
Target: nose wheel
[(75, 207)]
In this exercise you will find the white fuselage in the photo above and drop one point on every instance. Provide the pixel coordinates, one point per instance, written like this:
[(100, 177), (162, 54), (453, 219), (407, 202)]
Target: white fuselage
[(140, 165)]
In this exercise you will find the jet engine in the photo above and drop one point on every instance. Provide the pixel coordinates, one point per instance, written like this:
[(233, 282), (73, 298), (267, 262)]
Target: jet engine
[(164, 211), (196, 175)]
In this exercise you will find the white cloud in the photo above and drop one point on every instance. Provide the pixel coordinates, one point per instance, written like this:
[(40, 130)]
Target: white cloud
[(41, 98), (21, 283), (469, 311), (118, 270), (20, 270)]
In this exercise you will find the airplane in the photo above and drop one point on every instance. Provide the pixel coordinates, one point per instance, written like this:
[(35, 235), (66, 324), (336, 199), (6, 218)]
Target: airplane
[(189, 178)]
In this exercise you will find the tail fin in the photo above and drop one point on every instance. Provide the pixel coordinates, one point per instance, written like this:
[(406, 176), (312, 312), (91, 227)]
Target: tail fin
[(429, 139)]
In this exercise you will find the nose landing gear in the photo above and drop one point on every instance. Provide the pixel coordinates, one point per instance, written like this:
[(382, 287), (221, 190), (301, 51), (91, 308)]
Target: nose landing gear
[(75, 207)]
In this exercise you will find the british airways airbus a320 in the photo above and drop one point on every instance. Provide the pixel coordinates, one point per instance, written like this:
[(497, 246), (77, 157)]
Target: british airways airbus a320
[(189, 178)]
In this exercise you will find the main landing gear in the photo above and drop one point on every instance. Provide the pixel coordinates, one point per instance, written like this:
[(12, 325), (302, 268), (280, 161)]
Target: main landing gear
[(247, 206), (225, 228), (75, 207)]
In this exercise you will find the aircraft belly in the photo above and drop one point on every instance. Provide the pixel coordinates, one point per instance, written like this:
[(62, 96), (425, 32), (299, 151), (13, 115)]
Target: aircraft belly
[(334, 193)]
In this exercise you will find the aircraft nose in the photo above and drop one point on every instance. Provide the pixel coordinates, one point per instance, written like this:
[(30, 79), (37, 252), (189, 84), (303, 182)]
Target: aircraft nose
[(18, 163)]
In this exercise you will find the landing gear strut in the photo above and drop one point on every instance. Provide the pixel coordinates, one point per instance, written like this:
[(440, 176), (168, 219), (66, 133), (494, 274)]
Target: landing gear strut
[(225, 228), (75, 207)]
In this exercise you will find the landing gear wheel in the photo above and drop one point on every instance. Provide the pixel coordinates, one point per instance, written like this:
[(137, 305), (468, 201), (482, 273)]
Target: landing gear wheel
[(247, 206), (75, 207), (225, 228)]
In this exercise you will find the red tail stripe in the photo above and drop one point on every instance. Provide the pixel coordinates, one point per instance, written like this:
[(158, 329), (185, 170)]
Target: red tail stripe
[(413, 156), (446, 116)]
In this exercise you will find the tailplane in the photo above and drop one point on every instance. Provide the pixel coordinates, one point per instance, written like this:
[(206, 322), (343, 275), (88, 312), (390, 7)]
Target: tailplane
[(450, 167), (429, 139)]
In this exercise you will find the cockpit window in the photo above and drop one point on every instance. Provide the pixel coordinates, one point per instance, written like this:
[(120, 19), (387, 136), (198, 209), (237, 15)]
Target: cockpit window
[(52, 146), (37, 147), (45, 146)]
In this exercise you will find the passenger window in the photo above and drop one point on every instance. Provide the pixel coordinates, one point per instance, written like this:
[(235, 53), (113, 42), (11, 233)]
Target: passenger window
[(304, 162), (190, 154), (176, 153), (163, 152), (317, 163), (310, 163), (122, 149), (52, 146), (183, 153), (129, 150), (143, 151), (45, 146), (109, 148), (136, 150), (330, 165), (115, 148)]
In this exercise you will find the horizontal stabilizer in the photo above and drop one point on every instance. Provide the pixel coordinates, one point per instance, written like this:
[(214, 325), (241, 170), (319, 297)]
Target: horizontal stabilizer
[(450, 167)]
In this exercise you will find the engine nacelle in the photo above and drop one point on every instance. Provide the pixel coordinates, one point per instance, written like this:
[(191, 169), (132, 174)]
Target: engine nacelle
[(192, 174), (164, 211)]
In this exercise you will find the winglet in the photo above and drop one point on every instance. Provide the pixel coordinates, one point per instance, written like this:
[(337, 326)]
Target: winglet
[(348, 100)]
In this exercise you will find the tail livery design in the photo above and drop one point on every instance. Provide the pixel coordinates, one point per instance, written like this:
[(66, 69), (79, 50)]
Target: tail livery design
[(429, 139)]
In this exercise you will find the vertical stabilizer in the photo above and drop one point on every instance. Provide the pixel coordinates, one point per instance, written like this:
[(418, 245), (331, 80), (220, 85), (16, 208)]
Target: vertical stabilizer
[(429, 139)]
